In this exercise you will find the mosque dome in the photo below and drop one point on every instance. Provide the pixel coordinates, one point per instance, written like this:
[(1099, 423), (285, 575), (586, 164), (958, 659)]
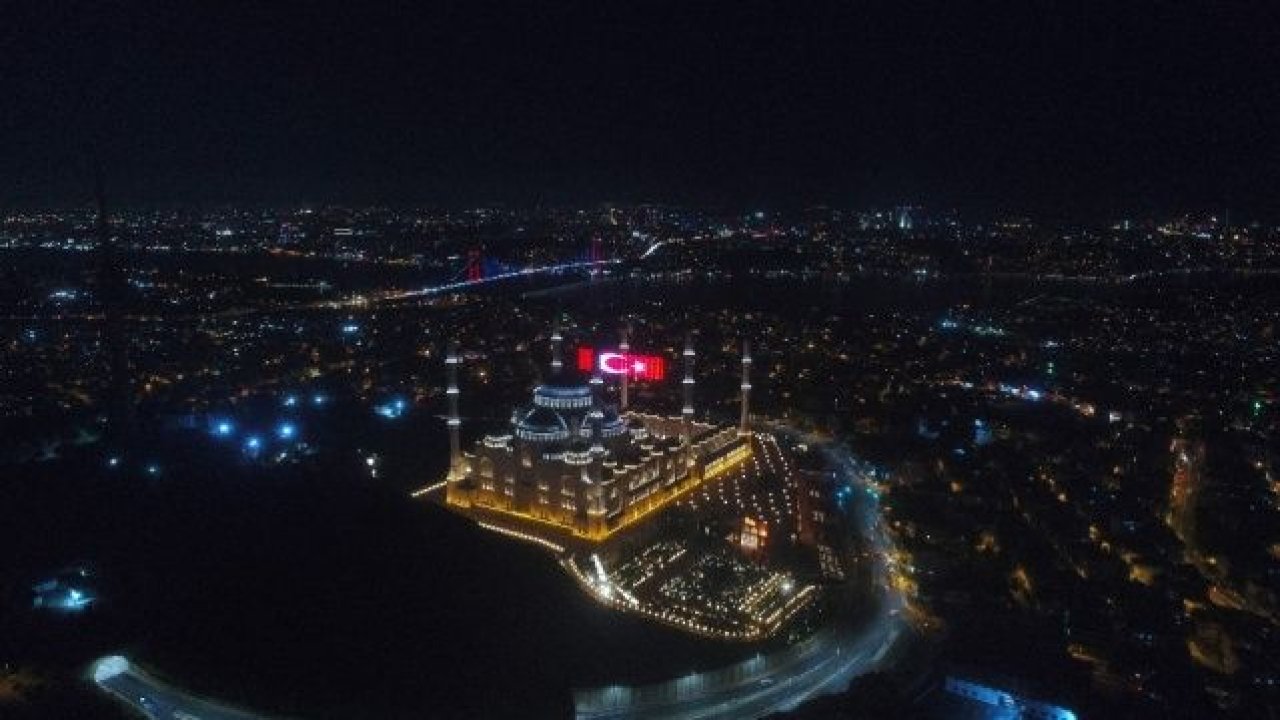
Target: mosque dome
[(542, 423)]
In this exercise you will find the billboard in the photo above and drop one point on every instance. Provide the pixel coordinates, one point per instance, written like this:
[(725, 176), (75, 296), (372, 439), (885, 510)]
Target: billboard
[(635, 366)]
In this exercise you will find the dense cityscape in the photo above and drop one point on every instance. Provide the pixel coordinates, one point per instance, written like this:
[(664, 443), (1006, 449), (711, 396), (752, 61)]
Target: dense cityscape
[(639, 360), (1074, 462)]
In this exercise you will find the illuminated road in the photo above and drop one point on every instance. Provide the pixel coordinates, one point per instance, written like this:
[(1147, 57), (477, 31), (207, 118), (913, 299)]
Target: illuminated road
[(781, 681), (155, 700)]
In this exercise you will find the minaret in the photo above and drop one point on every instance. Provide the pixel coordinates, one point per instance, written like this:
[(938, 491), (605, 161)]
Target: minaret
[(557, 360), (594, 472), (686, 413), (625, 347), (596, 417), (451, 361), (744, 424)]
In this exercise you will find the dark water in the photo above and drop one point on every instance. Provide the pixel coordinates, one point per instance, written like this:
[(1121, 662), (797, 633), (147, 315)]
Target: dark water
[(876, 293), (318, 593)]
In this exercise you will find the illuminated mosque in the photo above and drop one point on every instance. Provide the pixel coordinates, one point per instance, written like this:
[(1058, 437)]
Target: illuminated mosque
[(572, 467)]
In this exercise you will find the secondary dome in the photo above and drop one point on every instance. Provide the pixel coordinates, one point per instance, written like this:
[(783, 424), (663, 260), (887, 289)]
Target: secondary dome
[(542, 423)]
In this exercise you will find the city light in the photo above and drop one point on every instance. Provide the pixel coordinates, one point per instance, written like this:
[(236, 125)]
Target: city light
[(109, 667), (428, 489), (449, 364), (392, 409)]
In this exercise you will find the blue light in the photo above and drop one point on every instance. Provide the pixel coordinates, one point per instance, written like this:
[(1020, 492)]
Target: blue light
[(350, 328), (77, 600), (153, 469), (391, 410), (287, 431), (997, 698), (223, 428), (56, 594), (253, 443), (319, 399), (290, 400), (113, 461), (109, 667)]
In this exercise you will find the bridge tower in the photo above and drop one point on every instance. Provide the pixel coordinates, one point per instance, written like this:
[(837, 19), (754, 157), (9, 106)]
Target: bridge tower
[(475, 265)]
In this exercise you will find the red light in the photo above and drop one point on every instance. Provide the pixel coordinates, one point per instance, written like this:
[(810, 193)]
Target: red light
[(655, 368), (613, 362)]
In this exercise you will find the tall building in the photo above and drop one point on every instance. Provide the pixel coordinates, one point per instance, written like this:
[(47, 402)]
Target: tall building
[(111, 279), (572, 465)]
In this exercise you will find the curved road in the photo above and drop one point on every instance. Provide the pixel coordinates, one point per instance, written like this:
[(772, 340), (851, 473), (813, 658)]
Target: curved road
[(155, 700), (822, 665)]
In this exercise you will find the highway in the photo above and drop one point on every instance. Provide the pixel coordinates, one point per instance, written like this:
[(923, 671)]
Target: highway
[(155, 700), (783, 680)]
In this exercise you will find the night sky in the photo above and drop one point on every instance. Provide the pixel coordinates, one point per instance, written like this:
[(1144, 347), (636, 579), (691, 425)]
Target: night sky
[(1043, 107)]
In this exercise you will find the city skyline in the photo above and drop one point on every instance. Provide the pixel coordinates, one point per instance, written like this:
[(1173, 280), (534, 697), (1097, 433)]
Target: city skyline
[(643, 361)]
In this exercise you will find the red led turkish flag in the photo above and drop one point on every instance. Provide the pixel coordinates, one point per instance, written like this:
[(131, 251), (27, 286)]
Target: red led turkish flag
[(614, 362)]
